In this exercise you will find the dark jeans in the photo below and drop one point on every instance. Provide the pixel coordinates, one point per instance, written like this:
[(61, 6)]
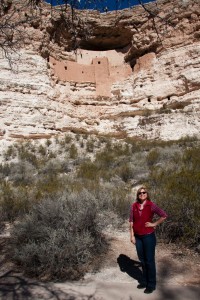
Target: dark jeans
[(145, 246)]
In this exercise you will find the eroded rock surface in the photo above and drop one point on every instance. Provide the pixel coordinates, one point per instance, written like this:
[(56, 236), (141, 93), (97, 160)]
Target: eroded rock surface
[(158, 98)]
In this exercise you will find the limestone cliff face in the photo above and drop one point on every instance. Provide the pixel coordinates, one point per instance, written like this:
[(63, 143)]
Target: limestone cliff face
[(158, 98)]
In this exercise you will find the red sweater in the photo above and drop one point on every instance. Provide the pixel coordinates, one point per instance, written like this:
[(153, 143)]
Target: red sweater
[(140, 217)]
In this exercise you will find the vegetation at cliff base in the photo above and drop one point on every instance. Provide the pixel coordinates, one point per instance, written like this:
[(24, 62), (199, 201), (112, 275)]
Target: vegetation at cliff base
[(62, 194)]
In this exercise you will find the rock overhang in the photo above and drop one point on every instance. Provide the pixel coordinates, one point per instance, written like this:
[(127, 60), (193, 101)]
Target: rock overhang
[(107, 38)]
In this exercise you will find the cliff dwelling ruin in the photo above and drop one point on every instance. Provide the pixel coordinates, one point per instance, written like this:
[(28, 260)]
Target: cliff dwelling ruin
[(99, 69)]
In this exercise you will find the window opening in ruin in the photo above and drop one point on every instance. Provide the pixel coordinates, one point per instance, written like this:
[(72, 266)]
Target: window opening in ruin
[(168, 98), (65, 67), (149, 99), (47, 59), (141, 85), (99, 62)]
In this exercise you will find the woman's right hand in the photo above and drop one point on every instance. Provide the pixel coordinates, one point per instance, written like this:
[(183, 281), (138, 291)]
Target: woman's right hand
[(133, 240)]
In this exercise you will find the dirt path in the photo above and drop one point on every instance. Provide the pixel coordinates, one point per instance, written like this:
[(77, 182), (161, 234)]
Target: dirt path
[(178, 274)]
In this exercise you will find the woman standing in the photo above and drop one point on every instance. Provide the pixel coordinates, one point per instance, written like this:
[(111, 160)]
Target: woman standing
[(142, 235)]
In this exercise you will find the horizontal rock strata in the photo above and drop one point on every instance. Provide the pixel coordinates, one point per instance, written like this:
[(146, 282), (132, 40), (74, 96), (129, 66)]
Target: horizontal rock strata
[(159, 99)]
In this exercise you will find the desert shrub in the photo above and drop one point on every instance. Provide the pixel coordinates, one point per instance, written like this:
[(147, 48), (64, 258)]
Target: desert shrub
[(139, 166), (177, 190), (65, 166), (10, 153), (188, 139), (125, 172), (153, 157), (116, 160), (57, 141), (121, 201), (42, 150), (51, 154), (60, 238), (82, 143), (105, 158), (78, 136), (90, 145), (73, 152), (52, 167), (48, 142), (164, 110), (25, 154), (5, 170), (13, 202), (88, 170), (22, 173), (68, 139), (120, 149), (47, 185), (134, 147), (179, 105), (111, 155), (7, 202), (114, 198)]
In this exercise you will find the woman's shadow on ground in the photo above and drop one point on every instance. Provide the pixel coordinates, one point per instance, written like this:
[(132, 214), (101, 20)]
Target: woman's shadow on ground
[(130, 266)]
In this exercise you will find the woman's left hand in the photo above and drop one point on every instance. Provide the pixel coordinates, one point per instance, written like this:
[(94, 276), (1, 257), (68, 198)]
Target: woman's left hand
[(149, 224)]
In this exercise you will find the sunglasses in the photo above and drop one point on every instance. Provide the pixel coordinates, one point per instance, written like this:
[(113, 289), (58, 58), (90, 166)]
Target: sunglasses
[(142, 193)]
